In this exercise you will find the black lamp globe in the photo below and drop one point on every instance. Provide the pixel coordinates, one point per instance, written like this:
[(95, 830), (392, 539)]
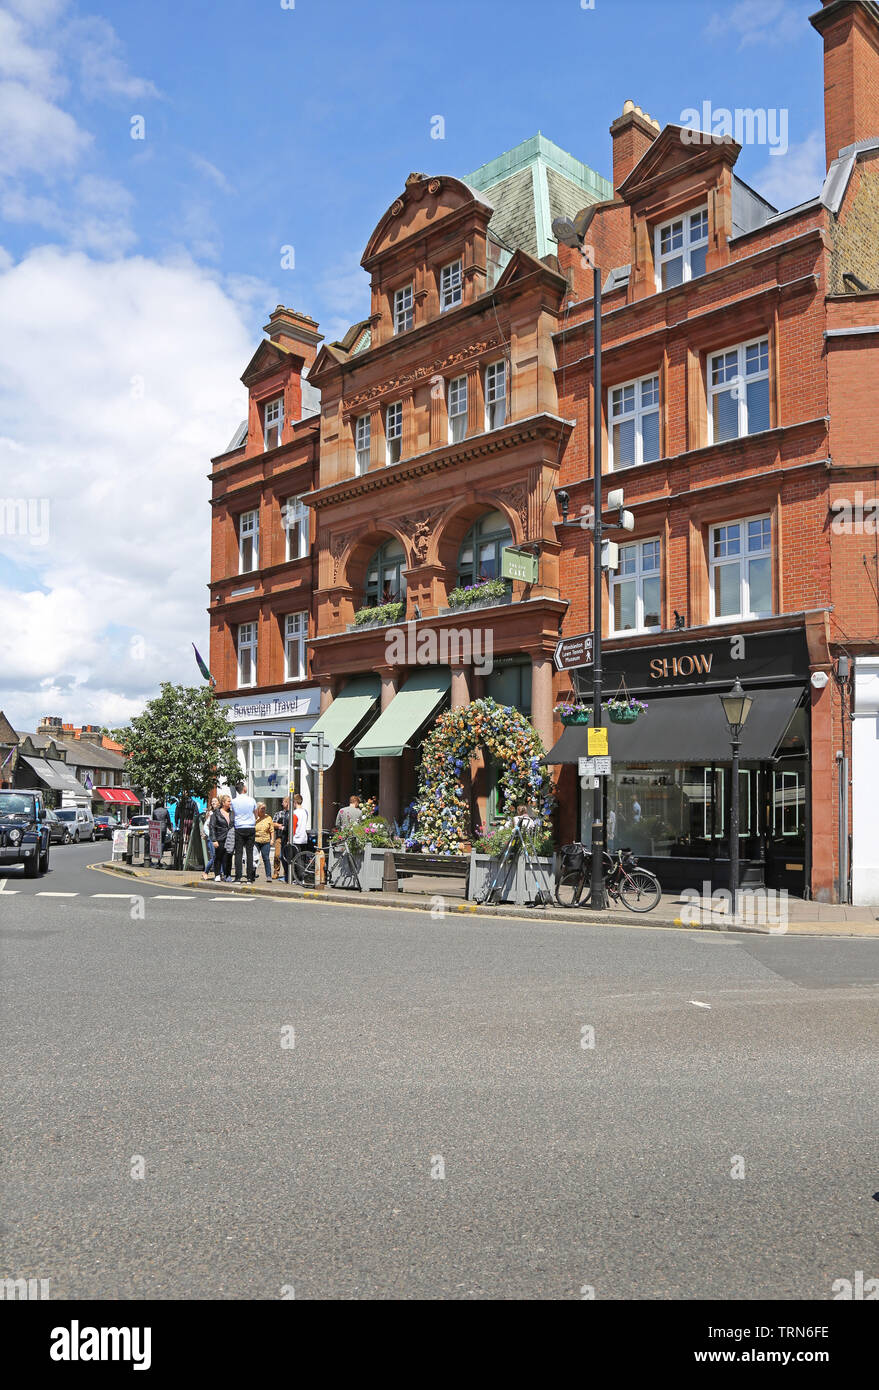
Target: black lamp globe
[(736, 706)]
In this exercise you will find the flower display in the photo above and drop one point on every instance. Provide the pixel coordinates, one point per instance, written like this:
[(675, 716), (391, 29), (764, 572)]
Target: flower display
[(638, 705), (377, 615), (465, 594), (522, 774)]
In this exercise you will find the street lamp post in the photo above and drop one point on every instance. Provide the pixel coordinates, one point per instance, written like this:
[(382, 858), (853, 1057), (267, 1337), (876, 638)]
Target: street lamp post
[(597, 899), (736, 708)]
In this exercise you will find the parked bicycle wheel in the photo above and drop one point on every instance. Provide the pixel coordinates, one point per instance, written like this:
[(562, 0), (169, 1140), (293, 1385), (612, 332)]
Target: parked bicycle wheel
[(302, 867), (639, 890), (572, 890)]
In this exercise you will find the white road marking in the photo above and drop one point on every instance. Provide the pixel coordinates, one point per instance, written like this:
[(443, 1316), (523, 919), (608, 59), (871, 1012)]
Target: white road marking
[(699, 1004), (126, 896), (10, 892), (44, 894), (172, 898)]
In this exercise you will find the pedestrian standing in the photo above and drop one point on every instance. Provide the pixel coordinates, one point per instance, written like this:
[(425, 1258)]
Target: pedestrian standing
[(160, 814), (222, 835), (281, 827), (262, 834), (209, 847), (244, 811), (350, 814), (301, 828)]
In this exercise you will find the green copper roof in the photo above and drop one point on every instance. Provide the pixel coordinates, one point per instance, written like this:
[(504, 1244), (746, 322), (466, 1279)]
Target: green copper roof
[(530, 185)]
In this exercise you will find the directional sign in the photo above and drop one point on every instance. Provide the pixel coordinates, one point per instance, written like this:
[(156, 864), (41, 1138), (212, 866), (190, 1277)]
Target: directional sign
[(313, 756), (594, 767), (572, 652)]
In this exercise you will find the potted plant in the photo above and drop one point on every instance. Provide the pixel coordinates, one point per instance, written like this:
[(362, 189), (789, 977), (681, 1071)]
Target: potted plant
[(571, 711), (366, 840), (521, 881), (379, 615), (624, 711), (487, 592)]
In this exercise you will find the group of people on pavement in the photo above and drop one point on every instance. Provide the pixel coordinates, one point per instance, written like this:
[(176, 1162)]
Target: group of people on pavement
[(239, 831)]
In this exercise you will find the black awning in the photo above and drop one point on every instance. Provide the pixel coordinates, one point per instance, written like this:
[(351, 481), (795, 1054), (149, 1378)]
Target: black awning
[(690, 729)]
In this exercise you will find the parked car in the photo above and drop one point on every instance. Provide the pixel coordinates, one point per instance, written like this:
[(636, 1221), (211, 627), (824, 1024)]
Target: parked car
[(24, 831), (139, 823), (80, 820), (104, 827), (59, 830)]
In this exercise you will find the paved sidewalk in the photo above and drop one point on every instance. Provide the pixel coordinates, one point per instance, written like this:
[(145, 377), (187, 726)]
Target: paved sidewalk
[(763, 918)]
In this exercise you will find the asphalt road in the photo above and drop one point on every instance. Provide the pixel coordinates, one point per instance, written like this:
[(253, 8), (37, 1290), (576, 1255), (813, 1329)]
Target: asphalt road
[(149, 1030)]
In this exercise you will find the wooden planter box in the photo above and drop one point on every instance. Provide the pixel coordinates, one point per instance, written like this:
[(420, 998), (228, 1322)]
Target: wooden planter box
[(519, 883), (370, 869)]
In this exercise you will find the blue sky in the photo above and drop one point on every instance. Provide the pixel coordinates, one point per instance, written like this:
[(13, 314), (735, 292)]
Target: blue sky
[(138, 273)]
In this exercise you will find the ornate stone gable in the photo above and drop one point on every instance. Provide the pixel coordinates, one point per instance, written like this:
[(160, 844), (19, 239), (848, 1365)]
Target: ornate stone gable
[(408, 380)]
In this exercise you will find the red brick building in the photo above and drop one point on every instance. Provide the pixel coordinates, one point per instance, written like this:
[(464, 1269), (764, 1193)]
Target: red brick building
[(740, 367)]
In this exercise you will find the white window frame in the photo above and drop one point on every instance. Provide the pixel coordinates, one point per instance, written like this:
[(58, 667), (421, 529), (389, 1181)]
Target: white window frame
[(744, 557), (492, 397), (246, 640), (738, 382), (638, 413), (296, 512), (686, 248), (456, 405), (451, 285), (636, 576), (248, 529), (362, 443), (295, 633), (276, 407), (404, 308), (395, 425)]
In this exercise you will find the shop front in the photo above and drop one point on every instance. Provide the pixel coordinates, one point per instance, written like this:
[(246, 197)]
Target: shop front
[(262, 738), (669, 793)]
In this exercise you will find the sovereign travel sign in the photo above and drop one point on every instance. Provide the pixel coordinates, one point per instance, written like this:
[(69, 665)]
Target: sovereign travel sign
[(572, 652)]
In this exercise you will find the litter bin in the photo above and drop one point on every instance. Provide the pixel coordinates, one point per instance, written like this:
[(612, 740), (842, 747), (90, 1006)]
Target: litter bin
[(138, 843)]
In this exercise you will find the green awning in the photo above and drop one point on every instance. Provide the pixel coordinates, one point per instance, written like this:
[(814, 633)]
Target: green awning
[(411, 707), (349, 708)]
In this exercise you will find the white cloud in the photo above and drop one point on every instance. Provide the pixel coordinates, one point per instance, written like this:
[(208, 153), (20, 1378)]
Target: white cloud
[(793, 178), (210, 171), (36, 136), (117, 383), (22, 62), (773, 22), (100, 55)]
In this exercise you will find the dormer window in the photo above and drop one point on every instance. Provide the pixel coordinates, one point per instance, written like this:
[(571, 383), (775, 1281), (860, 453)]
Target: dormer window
[(681, 248), (273, 422), (451, 285), (394, 432), (403, 309)]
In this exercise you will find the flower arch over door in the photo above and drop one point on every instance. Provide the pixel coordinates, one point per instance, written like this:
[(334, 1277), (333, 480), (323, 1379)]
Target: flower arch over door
[(516, 746)]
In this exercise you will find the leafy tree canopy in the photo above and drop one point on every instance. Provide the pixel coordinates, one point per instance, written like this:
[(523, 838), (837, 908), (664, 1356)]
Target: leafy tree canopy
[(182, 743)]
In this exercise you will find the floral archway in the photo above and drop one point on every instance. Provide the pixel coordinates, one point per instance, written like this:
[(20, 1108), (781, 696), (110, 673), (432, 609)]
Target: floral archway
[(441, 803)]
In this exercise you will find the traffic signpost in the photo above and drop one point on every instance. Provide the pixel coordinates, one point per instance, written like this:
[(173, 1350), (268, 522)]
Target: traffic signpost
[(572, 652)]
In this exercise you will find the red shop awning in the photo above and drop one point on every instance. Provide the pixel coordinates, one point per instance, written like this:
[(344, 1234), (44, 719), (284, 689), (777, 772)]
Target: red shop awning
[(117, 795)]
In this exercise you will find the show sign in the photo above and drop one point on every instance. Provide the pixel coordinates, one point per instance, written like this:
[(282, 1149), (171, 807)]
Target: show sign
[(714, 663)]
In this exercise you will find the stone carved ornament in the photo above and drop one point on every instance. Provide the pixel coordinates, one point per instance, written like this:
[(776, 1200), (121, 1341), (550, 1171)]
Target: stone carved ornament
[(410, 379)]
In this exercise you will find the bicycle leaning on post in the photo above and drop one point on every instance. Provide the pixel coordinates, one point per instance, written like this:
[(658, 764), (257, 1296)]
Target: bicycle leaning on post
[(303, 865), (625, 881)]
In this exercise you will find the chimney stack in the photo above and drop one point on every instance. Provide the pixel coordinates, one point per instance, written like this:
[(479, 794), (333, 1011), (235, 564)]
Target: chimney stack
[(294, 331), (850, 30), (632, 134)]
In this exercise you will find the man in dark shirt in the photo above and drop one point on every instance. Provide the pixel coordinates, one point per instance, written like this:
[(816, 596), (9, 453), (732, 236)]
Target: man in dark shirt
[(160, 814)]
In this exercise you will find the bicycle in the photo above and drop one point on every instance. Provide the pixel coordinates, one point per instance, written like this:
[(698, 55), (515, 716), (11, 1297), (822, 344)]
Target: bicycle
[(624, 880), (304, 862)]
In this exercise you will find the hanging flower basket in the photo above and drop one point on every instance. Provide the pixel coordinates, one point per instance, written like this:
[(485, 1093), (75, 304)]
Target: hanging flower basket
[(570, 712), (624, 712)]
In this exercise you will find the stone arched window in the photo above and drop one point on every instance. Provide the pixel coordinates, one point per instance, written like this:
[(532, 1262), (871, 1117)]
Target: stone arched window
[(479, 557), (385, 581)]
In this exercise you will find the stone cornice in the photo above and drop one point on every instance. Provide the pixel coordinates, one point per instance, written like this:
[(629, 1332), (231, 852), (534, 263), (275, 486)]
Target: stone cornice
[(437, 460)]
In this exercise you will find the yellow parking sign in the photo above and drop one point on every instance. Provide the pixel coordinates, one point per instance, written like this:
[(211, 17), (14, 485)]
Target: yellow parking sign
[(596, 742)]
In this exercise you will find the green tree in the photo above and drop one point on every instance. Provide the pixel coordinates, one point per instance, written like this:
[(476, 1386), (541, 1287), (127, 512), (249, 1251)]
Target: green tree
[(181, 744)]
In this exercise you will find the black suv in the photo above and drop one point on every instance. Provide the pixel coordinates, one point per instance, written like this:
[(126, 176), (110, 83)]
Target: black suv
[(24, 832)]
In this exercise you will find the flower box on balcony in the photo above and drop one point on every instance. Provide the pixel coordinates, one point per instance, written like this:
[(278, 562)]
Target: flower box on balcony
[(380, 616), (485, 595)]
